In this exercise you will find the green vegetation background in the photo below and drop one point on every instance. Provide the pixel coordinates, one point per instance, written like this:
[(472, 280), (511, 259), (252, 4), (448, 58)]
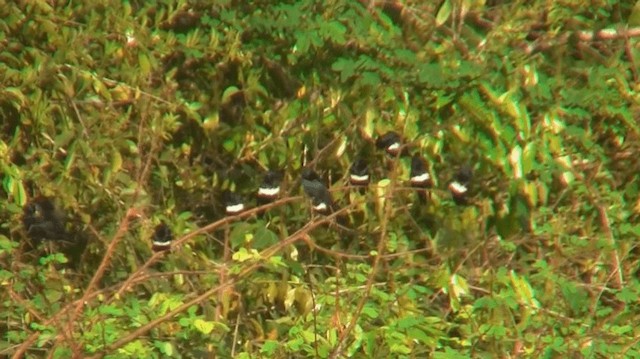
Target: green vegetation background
[(130, 113)]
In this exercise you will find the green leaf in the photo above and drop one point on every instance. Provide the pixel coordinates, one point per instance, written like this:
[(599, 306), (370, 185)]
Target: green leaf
[(302, 42), (269, 347), (370, 311), (6, 245), (165, 348), (228, 93), (449, 353), (53, 258), (399, 348), (369, 79), (529, 158), (420, 335), (634, 16), (111, 310), (144, 63), (336, 32), (444, 12), (243, 255), (241, 234), (16, 94), (19, 193), (627, 295), (523, 290), (459, 286), (347, 68), (229, 145), (431, 75), (408, 322), (203, 326)]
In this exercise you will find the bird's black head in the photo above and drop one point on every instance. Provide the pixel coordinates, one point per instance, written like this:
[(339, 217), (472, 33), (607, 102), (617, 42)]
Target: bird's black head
[(464, 174), (271, 179), (42, 221), (359, 172), (419, 174), (309, 174), (359, 167), (418, 164), (233, 202), (39, 207), (270, 187), (391, 142), (31, 212)]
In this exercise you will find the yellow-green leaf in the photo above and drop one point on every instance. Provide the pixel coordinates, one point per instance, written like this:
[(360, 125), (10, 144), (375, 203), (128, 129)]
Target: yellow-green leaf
[(203, 326), (145, 64), (634, 17), (443, 13), (524, 291)]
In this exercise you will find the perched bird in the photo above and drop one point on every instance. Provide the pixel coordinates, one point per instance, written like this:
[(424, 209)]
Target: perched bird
[(162, 237), (390, 142), (459, 187), (420, 177), (314, 187), (269, 189), (233, 203), (359, 173), (43, 221)]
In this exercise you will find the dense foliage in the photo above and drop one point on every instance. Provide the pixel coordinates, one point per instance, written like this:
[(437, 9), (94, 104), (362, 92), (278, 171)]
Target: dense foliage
[(129, 114)]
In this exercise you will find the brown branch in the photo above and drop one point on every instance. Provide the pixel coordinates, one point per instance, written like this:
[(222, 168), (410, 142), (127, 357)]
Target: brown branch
[(53, 319), (582, 36), (206, 229), (137, 276), (313, 306), (112, 82), (106, 260), (616, 269), (632, 344), (140, 274), (226, 257), (87, 293), (267, 253), (338, 349), (607, 34), (17, 298), (629, 52)]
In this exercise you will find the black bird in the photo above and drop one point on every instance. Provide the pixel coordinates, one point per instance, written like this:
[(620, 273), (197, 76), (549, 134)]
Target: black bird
[(42, 220), (314, 187), (459, 187), (233, 203), (269, 189), (359, 173), (420, 177), (162, 237), (390, 142)]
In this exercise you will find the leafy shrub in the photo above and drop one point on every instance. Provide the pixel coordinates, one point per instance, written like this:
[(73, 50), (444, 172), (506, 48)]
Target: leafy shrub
[(129, 114)]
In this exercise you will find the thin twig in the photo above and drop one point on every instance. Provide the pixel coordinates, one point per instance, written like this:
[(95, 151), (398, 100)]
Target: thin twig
[(266, 254), (235, 335), (223, 272), (313, 311), (339, 347), (583, 36)]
